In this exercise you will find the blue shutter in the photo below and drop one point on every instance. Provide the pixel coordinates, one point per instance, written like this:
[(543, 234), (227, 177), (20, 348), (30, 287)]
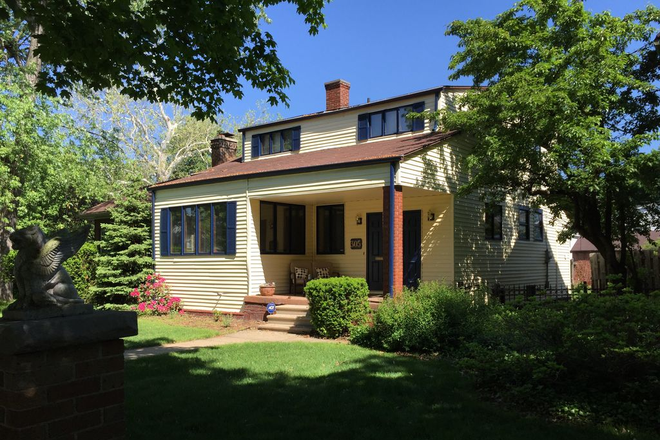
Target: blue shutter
[(256, 148), (418, 124), (295, 139), (164, 232), (363, 127), (231, 228)]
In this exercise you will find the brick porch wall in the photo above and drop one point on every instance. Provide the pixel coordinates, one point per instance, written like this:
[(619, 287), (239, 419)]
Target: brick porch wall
[(581, 268), (398, 240)]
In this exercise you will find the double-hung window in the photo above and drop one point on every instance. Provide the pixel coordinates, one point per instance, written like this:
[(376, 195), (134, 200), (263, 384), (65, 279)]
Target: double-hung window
[(330, 229), (282, 228), (537, 224), (198, 229), (276, 142), (523, 223), (390, 121), (493, 221)]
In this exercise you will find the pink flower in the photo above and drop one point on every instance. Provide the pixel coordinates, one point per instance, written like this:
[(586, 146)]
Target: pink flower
[(150, 306), (135, 293), (176, 299), (181, 312), (141, 307), (148, 277)]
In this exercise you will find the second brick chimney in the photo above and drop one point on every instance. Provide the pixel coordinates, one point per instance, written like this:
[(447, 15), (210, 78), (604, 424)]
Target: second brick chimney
[(336, 94), (223, 148)]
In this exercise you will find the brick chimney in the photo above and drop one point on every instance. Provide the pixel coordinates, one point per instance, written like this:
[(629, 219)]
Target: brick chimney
[(223, 148), (336, 94)]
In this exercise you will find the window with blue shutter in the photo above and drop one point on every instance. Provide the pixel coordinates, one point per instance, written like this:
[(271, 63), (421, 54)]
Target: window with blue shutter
[(164, 232), (363, 127), (295, 134), (256, 146), (276, 142), (389, 121), (198, 229), (231, 228)]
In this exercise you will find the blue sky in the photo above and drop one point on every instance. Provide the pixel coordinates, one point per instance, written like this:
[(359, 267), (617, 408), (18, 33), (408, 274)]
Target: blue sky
[(382, 47)]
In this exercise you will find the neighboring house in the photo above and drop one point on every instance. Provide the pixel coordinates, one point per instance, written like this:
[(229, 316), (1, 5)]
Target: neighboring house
[(360, 187), (583, 249), (97, 215)]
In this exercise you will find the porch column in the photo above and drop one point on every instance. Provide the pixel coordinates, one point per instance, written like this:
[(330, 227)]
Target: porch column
[(392, 242)]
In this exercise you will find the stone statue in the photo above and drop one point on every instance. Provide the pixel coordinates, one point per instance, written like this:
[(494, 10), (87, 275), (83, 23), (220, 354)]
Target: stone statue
[(40, 280)]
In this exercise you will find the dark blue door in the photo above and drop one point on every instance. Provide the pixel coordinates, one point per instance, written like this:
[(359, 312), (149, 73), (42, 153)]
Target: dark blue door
[(412, 248), (375, 251)]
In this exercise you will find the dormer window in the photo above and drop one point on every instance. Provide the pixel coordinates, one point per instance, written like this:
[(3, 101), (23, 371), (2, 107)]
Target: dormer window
[(276, 142), (390, 121)]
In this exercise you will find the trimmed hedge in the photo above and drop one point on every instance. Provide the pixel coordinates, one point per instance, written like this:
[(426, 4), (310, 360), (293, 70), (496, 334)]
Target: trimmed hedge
[(336, 304)]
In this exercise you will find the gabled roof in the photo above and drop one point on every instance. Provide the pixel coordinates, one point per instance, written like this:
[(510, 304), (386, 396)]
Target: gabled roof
[(100, 210), (584, 245), (357, 106), (360, 154)]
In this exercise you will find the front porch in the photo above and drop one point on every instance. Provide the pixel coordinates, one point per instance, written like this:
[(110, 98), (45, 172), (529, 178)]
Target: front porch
[(348, 231)]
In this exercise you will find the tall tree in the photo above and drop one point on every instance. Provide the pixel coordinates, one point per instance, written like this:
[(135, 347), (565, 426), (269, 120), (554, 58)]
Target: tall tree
[(47, 166), (568, 115), (188, 53), (163, 141), (125, 259)]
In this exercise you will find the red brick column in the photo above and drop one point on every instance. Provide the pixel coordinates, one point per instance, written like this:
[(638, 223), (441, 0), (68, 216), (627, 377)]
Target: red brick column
[(75, 391), (398, 240)]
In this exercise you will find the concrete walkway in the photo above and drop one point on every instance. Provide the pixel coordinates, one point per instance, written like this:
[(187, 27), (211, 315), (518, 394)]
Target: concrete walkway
[(250, 335)]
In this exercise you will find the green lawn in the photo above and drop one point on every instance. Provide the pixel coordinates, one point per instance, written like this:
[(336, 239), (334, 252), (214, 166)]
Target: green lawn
[(330, 391), (163, 330)]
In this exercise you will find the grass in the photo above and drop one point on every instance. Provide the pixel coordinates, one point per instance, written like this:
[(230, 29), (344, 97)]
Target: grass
[(322, 391), (154, 331)]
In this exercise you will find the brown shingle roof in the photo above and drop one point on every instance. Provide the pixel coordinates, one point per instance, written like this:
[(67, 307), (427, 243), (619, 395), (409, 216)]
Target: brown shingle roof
[(382, 151), (98, 210), (584, 245)]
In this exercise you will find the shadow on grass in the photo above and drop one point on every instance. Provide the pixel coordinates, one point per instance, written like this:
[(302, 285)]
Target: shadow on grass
[(285, 391), (152, 342)]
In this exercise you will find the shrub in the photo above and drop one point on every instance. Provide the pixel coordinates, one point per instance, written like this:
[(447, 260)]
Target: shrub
[(435, 317), (7, 266), (82, 268), (153, 297), (337, 303)]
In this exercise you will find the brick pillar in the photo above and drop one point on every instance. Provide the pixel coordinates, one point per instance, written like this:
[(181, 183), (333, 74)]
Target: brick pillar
[(398, 240), (54, 387)]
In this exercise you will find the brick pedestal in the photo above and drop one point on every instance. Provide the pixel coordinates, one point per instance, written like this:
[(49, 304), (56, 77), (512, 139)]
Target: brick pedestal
[(54, 385), (398, 240)]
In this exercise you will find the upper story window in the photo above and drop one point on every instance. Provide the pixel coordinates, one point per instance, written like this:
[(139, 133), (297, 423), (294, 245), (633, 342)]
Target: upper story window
[(493, 221), (276, 142), (530, 224), (390, 121)]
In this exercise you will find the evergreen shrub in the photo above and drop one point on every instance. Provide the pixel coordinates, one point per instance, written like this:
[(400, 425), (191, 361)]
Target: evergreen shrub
[(336, 304)]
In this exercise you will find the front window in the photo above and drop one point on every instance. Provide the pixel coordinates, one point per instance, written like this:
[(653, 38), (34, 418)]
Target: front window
[(204, 228), (523, 223), (282, 228), (175, 230), (330, 229), (493, 221), (220, 228), (189, 220)]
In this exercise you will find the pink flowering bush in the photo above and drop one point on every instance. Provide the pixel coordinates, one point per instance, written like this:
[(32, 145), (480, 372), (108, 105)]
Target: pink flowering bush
[(153, 297)]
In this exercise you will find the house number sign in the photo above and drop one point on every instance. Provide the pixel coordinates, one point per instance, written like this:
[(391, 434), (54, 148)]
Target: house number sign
[(356, 243)]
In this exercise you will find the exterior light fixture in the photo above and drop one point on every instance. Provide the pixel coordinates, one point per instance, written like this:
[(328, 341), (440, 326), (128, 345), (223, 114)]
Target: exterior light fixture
[(358, 219), (430, 216)]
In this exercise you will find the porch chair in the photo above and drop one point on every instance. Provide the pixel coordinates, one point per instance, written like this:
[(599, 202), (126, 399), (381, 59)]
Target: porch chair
[(319, 272), (299, 273)]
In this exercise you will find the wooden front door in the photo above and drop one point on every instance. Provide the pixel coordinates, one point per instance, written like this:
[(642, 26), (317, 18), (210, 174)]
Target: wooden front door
[(412, 248), (375, 251)]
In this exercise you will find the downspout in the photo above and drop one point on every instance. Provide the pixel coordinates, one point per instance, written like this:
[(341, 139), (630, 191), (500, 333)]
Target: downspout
[(153, 227), (391, 231), (435, 109)]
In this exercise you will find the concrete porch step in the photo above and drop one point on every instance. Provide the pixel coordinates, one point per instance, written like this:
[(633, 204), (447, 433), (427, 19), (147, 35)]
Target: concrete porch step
[(291, 309), (290, 319), (286, 328)]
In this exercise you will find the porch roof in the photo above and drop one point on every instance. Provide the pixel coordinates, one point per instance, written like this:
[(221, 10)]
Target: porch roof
[(360, 154)]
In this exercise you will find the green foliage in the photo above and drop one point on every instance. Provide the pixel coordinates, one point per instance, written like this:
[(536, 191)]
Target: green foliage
[(186, 53), (7, 266), (125, 259), (568, 116), (82, 269), (337, 303), (595, 358), (433, 318)]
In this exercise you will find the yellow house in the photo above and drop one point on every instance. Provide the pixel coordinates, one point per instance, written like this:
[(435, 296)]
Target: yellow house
[(360, 189)]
